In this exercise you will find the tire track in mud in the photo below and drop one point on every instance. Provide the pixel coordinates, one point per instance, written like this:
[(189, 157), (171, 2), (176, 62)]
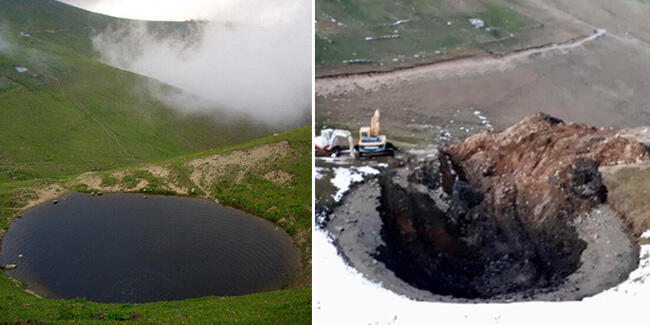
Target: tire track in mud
[(373, 81)]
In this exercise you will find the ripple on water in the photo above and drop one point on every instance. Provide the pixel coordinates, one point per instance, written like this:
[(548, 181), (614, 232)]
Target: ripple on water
[(122, 248)]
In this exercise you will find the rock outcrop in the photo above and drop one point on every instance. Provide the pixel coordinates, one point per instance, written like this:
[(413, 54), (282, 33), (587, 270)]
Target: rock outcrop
[(494, 215)]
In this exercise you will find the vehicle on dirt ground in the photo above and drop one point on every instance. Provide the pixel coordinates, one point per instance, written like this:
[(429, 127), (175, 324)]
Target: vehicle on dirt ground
[(332, 142), (371, 143)]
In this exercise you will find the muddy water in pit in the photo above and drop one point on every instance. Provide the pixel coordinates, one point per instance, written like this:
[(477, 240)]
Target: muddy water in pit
[(133, 248)]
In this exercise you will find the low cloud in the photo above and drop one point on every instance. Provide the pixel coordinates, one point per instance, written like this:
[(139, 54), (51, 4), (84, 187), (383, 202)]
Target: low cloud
[(253, 56)]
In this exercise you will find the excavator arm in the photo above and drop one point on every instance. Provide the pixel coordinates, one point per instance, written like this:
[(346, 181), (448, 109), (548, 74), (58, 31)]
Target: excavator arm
[(374, 125)]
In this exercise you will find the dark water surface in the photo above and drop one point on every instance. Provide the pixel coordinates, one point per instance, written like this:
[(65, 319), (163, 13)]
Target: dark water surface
[(133, 248)]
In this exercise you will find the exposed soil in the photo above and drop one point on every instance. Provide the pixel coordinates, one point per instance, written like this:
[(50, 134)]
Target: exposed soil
[(628, 186), (203, 172), (516, 215), (206, 169), (48, 193), (95, 182), (278, 176), (599, 82)]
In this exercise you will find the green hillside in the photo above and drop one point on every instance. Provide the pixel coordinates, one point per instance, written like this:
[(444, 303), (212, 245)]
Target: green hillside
[(69, 114), (66, 118), (286, 202), (407, 31)]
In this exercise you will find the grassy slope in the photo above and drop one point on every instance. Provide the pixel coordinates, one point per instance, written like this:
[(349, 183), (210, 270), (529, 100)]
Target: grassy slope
[(287, 205), (77, 114), (277, 307), (426, 32), (253, 193)]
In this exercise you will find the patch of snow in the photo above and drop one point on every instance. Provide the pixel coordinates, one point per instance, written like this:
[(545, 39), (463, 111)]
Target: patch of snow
[(484, 120), (445, 135), (401, 21), (382, 37), (356, 61), (341, 160), (345, 177), (646, 234), (321, 219), (319, 172), (477, 22), (367, 170), (343, 296)]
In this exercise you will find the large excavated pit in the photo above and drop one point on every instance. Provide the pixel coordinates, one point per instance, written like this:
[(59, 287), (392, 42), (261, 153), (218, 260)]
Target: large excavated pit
[(468, 243), (495, 217)]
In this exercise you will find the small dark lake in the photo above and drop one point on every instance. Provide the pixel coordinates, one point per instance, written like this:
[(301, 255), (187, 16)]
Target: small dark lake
[(134, 248)]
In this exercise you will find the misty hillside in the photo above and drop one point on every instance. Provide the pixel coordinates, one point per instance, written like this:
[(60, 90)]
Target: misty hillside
[(64, 112)]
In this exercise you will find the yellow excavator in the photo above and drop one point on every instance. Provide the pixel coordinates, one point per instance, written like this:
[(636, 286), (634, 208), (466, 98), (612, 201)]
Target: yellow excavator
[(371, 143)]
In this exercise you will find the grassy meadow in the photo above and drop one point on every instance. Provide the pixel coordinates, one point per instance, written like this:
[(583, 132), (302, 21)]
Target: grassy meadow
[(413, 30), (69, 115)]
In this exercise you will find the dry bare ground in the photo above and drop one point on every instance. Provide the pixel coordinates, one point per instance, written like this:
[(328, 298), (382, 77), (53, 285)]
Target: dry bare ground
[(205, 170), (598, 81), (48, 193), (202, 172)]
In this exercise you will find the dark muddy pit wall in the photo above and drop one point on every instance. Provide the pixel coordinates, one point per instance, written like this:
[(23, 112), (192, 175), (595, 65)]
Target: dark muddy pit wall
[(506, 216), (137, 248)]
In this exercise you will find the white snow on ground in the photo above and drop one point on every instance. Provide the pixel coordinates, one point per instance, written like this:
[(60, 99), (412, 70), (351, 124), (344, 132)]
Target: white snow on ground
[(445, 135), (401, 21), (382, 37), (319, 172), (345, 177), (343, 296), (483, 119), (342, 160), (646, 234)]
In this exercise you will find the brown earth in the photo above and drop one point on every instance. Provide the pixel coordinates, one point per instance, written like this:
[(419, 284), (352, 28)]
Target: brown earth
[(205, 170), (602, 82), (628, 187), (497, 214), (45, 194), (542, 160), (279, 176)]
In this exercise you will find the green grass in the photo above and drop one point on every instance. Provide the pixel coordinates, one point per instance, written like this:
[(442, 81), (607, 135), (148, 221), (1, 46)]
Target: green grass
[(253, 194), (435, 29), (74, 114), (71, 115), (277, 307)]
